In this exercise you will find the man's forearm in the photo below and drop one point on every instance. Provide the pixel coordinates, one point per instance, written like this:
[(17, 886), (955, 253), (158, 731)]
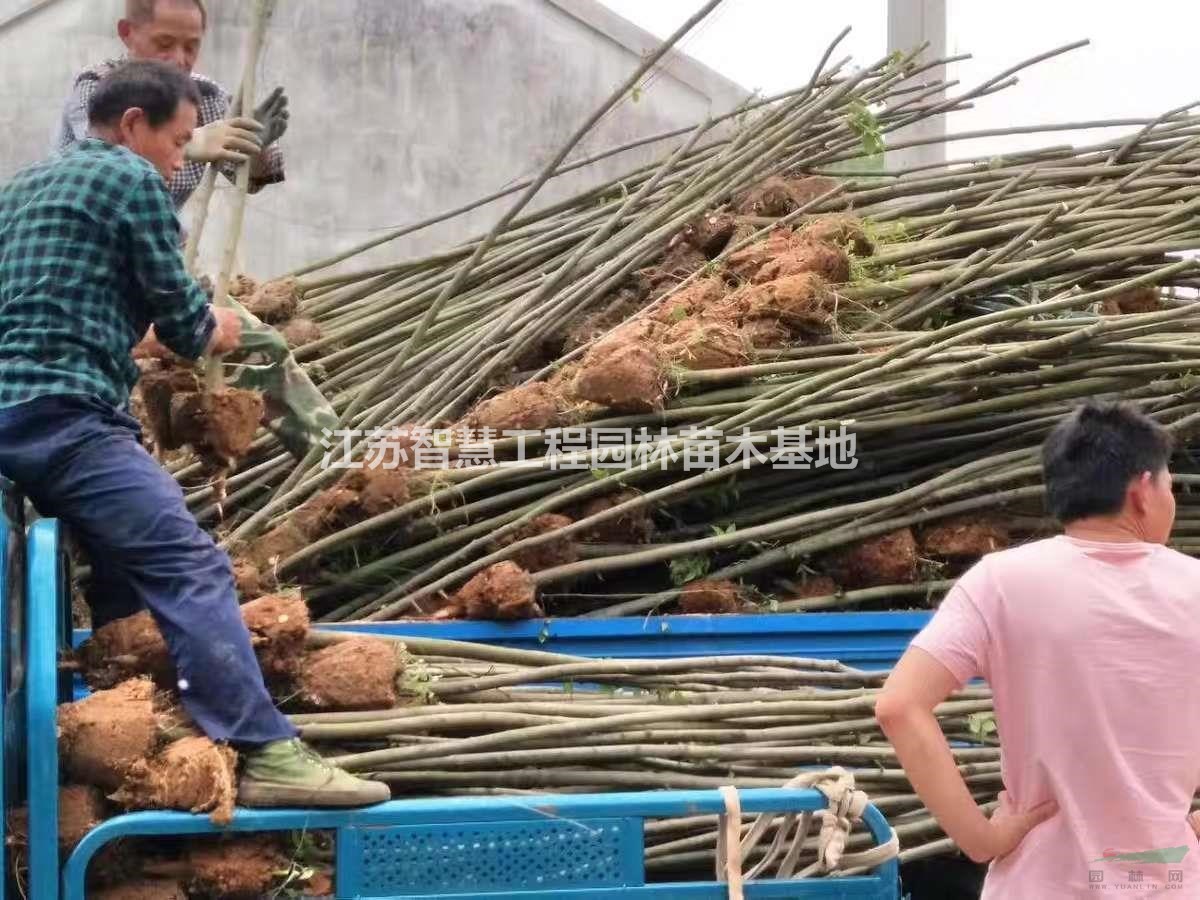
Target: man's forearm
[(267, 168), (927, 761)]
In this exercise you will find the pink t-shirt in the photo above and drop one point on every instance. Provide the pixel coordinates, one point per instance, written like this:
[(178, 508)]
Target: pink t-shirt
[(1088, 649)]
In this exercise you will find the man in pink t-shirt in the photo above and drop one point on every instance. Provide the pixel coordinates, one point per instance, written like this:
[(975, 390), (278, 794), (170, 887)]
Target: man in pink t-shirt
[(1087, 641)]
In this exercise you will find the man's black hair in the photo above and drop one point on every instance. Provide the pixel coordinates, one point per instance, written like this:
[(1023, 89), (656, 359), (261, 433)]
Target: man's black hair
[(1089, 459), (155, 87)]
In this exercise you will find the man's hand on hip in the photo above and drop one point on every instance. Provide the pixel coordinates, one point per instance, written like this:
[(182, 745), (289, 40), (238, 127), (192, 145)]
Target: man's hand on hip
[(1008, 826), (227, 336), (234, 140)]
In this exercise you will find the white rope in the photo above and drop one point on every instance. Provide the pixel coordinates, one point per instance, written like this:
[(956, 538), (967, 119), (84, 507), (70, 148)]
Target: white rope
[(845, 807), (729, 861)]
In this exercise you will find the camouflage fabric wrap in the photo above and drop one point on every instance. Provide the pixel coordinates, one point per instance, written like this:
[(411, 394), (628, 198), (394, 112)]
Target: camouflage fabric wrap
[(297, 412)]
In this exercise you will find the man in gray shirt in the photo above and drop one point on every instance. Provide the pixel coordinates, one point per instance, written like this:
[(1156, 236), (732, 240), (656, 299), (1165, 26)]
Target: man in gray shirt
[(173, 31)]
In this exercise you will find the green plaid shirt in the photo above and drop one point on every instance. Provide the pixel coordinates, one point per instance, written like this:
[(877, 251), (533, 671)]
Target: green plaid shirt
[(89, 259)]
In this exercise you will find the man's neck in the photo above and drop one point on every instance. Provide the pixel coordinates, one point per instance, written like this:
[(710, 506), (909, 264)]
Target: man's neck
[(108, 135), (1105, 530)]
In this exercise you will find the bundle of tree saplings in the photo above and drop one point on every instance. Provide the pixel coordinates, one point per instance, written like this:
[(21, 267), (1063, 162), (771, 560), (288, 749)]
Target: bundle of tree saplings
[(493, 720), (433, 717), (945, 423), (941, 319), (487, 301), (735, 286)]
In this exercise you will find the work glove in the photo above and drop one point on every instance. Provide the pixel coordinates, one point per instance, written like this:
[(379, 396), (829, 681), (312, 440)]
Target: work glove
[(272, 114), (228, 140)]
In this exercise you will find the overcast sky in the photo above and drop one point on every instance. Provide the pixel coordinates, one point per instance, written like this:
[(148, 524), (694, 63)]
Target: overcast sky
[(1143, 60)]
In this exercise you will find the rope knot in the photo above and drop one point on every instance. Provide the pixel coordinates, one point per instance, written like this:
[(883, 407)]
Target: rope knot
[(845, 806)]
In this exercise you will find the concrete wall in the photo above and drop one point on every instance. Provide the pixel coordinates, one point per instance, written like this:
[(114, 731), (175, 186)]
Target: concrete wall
[(400, 108), (912, 23)]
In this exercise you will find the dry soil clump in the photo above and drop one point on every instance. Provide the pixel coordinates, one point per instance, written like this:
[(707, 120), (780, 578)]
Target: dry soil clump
[(840, 230), (531, 407), (241, 286), (745, 264), (765, 333), (700, 295), (360, 494), (299, 332), (503, 592), (80, 809), (710, 232), (557, 552), (231, 419), (125, 649), (711, 598), (707, 344), (826, 260), (629, 527), (624, 376), (357, 674), (278, 626), (1134, 300), (192, 774), (103, 736), (888, 559), (156, 389), (219, 425), (275, 301), (377, 490), (242, 869), (803, 303), (964, 539), (813, 586)]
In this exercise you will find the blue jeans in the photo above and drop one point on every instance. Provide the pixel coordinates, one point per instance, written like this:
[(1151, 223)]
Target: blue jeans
[(81, 461)]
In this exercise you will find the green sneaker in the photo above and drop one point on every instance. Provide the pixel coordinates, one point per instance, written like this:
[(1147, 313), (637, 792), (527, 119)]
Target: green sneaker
[(288, 773)]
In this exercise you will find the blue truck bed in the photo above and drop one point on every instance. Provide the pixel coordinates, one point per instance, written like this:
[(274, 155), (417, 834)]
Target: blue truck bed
[(440, 847)]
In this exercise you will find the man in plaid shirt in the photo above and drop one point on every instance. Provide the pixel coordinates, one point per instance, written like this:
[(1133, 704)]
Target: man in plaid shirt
[(89, 262), (172, 31)]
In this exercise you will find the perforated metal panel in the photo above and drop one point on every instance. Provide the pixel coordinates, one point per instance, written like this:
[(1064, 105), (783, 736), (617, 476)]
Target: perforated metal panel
[(499, 856)]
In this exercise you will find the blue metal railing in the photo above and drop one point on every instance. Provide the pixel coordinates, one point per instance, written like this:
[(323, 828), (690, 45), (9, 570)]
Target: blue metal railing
[(865, 640), (436, 849), (44, 590)]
